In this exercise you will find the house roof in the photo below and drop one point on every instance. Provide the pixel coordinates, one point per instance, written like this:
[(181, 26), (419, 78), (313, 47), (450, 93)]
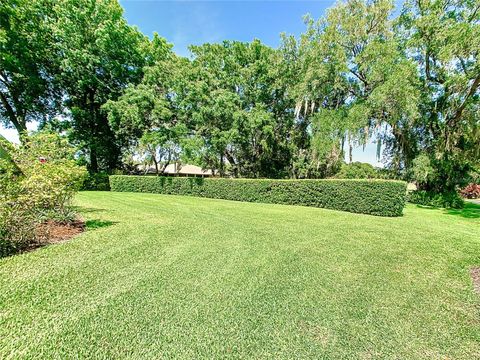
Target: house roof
[(186, 169)]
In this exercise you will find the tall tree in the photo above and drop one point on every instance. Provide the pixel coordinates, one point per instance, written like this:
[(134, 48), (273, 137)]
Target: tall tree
[(239, 108), (145, 118), (101, 55), (443, 38), (225, 110), (353, 78)]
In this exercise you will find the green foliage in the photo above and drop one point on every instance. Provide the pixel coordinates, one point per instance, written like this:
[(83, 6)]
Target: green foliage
[(412, 81), (72, 55), (49, 170), (376, 197), (353, 80), (422, 170), (225, 109), (441, 37), (430, 198), (241, 109), (474, 176), (39, 180), (147, 116), (27, 63), (247, 110), (357, 170), (5, 157), (96, 181), (101, 54)]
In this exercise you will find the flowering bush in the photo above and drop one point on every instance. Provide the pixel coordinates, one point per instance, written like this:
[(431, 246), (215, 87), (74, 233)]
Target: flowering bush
[(471, 191), (37, 181)]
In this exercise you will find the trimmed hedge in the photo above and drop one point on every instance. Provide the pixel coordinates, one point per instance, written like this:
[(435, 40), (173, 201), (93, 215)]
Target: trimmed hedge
[(375, 197)]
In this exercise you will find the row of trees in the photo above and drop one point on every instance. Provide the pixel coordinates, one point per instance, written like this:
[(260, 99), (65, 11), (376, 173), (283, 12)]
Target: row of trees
[(410, 81)]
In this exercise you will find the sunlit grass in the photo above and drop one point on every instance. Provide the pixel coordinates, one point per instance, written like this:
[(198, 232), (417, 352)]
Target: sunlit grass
[(161, 276)]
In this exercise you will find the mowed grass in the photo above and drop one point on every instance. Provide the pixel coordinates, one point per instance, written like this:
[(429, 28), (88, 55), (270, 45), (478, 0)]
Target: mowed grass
[(159, 276)]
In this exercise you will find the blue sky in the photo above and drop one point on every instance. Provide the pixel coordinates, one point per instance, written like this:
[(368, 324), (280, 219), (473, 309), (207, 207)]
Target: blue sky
[(186, 22), (196, 22)]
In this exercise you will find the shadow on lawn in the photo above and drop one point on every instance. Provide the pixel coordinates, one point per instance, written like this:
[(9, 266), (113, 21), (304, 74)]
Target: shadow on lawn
[(87, 210), (98, 224), (469, 211)]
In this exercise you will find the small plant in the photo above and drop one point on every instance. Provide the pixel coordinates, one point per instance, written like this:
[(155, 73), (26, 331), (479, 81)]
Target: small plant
[(471, 191)]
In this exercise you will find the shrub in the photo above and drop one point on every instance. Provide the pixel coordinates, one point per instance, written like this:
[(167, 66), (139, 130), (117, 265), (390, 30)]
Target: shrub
[(357, 170), (96, 181), (37, 181), (17, 219), (471, 191), (430, 198), (376, 197)]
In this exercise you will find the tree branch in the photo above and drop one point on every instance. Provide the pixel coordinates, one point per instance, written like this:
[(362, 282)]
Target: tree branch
[(20, 126), (360, 77), (472, 16), (459, 111)]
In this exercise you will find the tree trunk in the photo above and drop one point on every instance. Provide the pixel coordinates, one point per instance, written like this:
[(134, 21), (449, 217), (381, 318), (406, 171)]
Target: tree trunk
[(93, 160), (221, 170), (155, 162), (167, 162), (17, 121), (232, 162)]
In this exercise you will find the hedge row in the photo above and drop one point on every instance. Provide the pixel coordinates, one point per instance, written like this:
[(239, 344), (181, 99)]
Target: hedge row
[(375, 197)]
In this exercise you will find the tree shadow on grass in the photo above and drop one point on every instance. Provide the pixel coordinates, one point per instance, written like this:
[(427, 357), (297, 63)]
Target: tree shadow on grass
[(87, 210), (98, 224), (469, 211)]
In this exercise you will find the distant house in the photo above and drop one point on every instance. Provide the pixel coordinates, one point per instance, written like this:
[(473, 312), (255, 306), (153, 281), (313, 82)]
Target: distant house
[(180, 170), (186, 170)]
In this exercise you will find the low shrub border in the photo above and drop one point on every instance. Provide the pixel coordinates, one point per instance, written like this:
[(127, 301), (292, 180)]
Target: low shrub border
[(375, 197)]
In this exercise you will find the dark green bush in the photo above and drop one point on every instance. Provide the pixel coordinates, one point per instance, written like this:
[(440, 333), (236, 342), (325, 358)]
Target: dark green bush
[(430, 198), (96, 181), (6, 247), (376, 197)]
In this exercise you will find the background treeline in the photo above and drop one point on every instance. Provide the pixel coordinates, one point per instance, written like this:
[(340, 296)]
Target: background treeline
[(408, 79)]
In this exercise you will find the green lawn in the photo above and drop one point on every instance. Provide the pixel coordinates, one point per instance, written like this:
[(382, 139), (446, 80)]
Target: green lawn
[(160, 276)]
